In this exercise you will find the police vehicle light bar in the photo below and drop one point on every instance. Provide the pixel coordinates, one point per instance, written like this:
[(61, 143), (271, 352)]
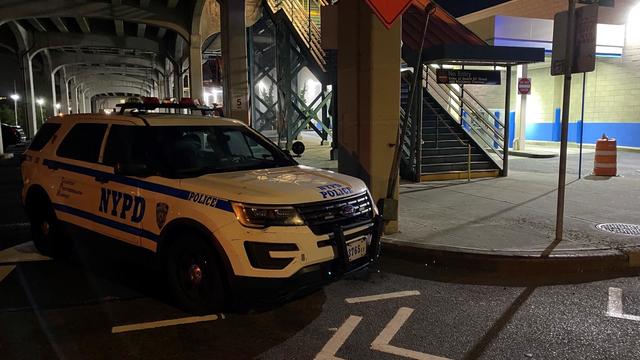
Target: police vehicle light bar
[(148, 104)]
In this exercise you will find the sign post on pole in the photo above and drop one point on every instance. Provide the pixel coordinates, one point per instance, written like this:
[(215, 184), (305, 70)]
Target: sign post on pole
[(572, 31), (524, 86)]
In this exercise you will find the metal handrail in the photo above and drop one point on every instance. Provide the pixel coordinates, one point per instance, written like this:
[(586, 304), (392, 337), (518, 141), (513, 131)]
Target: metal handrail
[(477, 102), (460, 101), (493, 129), (480, 136)]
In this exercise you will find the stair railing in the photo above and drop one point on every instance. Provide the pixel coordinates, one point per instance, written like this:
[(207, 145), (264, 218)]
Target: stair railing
[(305, 23), (480, 124)]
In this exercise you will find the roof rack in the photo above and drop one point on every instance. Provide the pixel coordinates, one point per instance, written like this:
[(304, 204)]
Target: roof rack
[(206, 110)]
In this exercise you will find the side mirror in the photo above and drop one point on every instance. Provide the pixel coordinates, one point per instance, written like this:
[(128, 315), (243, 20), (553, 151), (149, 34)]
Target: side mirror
[(137, 170), (298, 148)]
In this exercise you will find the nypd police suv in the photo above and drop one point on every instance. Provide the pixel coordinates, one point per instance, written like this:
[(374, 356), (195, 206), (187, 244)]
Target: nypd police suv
[(226, 211)]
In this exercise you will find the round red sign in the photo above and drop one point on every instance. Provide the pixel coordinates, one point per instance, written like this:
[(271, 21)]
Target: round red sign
[(524, 86)]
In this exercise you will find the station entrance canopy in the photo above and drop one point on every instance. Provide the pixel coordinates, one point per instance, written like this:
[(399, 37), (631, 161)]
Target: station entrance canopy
[(449, 42)]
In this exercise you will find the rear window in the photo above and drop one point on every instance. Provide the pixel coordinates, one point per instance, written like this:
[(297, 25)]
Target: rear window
[(83, 142), (43, 136)]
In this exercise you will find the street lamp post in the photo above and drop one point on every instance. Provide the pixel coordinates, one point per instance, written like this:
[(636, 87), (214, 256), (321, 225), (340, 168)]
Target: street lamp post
[(57, 109), (15, 98), (40, 102)]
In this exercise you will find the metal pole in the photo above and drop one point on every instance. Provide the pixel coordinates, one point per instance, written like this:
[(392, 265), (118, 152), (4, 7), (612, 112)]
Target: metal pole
[(507, 116), (469, 163), (393, 175), (568, 64), (584, 87)]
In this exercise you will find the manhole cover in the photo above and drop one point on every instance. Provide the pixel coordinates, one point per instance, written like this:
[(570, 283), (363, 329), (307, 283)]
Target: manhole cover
[(622, 229)]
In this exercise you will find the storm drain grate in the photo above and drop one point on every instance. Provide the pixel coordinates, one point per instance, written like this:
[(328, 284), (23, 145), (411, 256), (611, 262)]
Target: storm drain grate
[(622, 229)]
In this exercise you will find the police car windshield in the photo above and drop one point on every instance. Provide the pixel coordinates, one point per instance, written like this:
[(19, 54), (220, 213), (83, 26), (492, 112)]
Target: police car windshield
[(192, 151)]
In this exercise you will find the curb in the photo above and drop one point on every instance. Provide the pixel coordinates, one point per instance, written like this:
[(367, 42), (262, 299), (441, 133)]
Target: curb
[(578, 261), (532, 155)]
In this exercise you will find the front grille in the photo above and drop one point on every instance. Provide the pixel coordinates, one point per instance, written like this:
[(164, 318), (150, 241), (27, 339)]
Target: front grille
[(324, 218)]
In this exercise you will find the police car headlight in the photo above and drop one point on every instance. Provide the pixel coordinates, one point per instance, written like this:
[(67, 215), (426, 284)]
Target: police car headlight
[(263, 216)]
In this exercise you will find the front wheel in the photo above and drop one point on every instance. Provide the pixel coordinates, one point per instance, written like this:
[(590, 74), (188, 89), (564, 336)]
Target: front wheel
[(194, 275)]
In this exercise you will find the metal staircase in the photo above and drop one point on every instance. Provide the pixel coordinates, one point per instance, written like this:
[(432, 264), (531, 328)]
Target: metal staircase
[(454, 140)]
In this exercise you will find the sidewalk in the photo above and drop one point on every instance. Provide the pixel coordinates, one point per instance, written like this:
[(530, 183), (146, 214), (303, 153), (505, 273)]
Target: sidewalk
[(515, 216)]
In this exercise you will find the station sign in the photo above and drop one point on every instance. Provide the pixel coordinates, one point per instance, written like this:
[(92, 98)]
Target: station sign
[(524, 86), (389, 10), (468, 77)]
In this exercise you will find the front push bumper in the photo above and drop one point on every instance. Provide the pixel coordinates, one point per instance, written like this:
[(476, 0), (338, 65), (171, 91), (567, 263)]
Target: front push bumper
[(313, 277)]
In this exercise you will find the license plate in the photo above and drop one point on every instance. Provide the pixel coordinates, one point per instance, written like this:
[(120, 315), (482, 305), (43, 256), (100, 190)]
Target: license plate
[(357, 248)]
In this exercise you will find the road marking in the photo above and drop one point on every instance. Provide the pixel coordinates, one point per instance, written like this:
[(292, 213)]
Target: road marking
[(163, 323), (5, 271), (392, 295), (332, 346), (381, 343), (615, 309), (21, 253)]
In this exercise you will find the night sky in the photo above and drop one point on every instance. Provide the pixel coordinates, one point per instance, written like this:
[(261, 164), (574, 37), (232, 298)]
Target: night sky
[(463, 7)]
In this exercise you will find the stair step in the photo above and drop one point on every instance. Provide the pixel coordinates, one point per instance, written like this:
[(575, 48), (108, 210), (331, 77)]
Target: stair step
[(457, 175), (443, 144), (460, 150), (460, 158), (444, 136), (457, 166)]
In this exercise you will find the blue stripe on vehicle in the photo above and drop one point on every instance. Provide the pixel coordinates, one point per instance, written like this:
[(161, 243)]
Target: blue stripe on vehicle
[(107, 222), (158, 188), (224, 205)]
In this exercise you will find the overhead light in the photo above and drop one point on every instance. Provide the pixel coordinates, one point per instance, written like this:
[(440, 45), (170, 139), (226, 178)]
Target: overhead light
[(40, 101), (58, 106), (15, 97)]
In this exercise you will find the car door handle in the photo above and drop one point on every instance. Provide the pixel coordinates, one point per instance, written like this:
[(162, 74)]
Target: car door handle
[(101, 179)]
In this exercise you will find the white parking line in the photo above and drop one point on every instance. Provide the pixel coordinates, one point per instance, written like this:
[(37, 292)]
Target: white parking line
[(392, 295), (381, 343), (164, 323), (5, 271), (615, 308), (21, 253), (332, 346)]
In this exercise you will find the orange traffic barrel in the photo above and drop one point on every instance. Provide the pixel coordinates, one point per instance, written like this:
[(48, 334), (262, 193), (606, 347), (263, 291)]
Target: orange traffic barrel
[(606, 157)]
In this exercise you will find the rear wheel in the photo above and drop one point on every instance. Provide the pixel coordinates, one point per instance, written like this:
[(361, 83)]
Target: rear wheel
[(45, 228), (194, 274)]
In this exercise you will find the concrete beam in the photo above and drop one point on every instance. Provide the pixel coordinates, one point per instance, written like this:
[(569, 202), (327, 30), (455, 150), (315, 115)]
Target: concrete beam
[(177, 19), (140, 74), (144, 4), (58, 40), (83, 24), (112, 79), (37, 24), (67, 59), (60, 24)]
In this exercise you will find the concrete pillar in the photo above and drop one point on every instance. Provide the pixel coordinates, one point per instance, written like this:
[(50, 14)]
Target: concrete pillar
[(368, 97), (234, 53), (177, 83), (64, 94), (521, 113), (195, 67), (54, 98), (30, 96), (74, 98), (83, 101)]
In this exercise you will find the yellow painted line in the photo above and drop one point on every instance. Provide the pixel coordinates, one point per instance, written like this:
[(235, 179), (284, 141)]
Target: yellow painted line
[(164, 323), (5, 271)]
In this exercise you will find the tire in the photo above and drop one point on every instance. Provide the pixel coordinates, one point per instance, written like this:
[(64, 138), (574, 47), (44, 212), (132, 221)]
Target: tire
[(194, 275), (45, 229)]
